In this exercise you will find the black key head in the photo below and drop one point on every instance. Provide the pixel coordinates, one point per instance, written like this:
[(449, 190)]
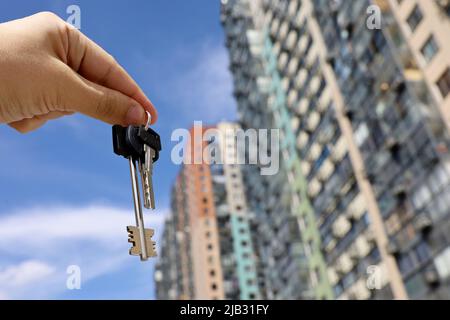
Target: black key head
[(151, 139), (130, 141)]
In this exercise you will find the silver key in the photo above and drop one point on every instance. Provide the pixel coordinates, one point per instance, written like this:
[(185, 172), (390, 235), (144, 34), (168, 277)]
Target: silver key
[(146, 177), (138, 235)]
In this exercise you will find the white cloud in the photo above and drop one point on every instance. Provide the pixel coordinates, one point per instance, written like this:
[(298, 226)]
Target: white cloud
[(25, 273), (39, 243)]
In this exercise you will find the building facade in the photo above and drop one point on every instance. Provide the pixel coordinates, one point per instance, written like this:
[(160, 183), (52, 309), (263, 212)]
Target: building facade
[(424, 26), (361, 201), (207, 240)]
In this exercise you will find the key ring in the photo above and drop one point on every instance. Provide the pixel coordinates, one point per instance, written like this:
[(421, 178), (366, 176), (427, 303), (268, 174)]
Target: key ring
[(149, 120)]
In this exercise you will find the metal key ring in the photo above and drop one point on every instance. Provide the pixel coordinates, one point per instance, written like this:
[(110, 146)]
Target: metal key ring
[(149, 120)]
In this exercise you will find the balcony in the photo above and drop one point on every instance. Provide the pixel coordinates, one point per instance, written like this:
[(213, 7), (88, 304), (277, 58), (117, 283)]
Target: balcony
[(362, 246), (292, 98), (314, 152), (341, 226), (282, 33), (313, 121), (303, 44), (291, 40), (292, 67), (325, 170), (344, 264), (302, 140), (360, 290), (274, 26), (282, 61), (314, 188), (302, 107), (423, 224)]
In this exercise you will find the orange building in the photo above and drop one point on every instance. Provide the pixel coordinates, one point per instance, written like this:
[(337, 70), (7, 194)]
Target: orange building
[(207, 251)]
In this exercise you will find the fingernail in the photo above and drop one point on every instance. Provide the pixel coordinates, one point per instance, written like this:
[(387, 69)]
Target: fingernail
[(154, 113), (135, 116)]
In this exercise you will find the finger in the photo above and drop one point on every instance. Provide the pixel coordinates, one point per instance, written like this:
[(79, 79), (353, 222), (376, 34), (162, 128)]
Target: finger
[(111, 106), (27, 125), (95, 64)]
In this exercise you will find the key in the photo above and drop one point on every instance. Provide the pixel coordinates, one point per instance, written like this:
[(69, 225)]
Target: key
[(130, 141), (146, 178), (138, 233), (152, 147), (141, 146)]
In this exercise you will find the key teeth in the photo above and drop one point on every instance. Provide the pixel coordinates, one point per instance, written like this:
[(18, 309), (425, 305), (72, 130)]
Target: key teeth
[(152, 249), (151, 245), (133, 238)]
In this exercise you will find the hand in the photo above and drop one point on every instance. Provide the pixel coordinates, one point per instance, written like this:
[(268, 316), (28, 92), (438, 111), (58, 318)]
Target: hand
[(49, 69)]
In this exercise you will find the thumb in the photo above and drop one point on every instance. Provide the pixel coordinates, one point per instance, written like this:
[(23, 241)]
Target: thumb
[(81, 95)]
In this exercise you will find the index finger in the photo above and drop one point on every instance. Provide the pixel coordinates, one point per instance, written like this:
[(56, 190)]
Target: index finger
[(95, 64)]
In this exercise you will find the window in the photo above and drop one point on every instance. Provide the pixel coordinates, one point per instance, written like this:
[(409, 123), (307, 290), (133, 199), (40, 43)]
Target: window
[(337, 290), (444, 83), (405, 264), (379, 41), (422, 252), (415, 18), (429, 49), (348, 280)]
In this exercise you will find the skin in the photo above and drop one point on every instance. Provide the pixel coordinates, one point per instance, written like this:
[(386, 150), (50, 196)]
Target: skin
[(49, 69)]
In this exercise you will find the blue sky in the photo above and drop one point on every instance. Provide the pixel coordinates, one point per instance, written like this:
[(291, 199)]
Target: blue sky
[(65, 198)]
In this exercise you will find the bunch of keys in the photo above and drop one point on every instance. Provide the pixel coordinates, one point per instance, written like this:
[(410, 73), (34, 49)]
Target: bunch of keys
[(141, 146)]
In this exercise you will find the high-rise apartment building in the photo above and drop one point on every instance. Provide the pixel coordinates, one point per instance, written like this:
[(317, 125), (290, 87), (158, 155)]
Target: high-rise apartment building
[(174, 275), (361, 202), (425, 26), (207, 247)]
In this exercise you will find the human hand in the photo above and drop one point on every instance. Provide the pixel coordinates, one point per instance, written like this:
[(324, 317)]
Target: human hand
[(49, 69)]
